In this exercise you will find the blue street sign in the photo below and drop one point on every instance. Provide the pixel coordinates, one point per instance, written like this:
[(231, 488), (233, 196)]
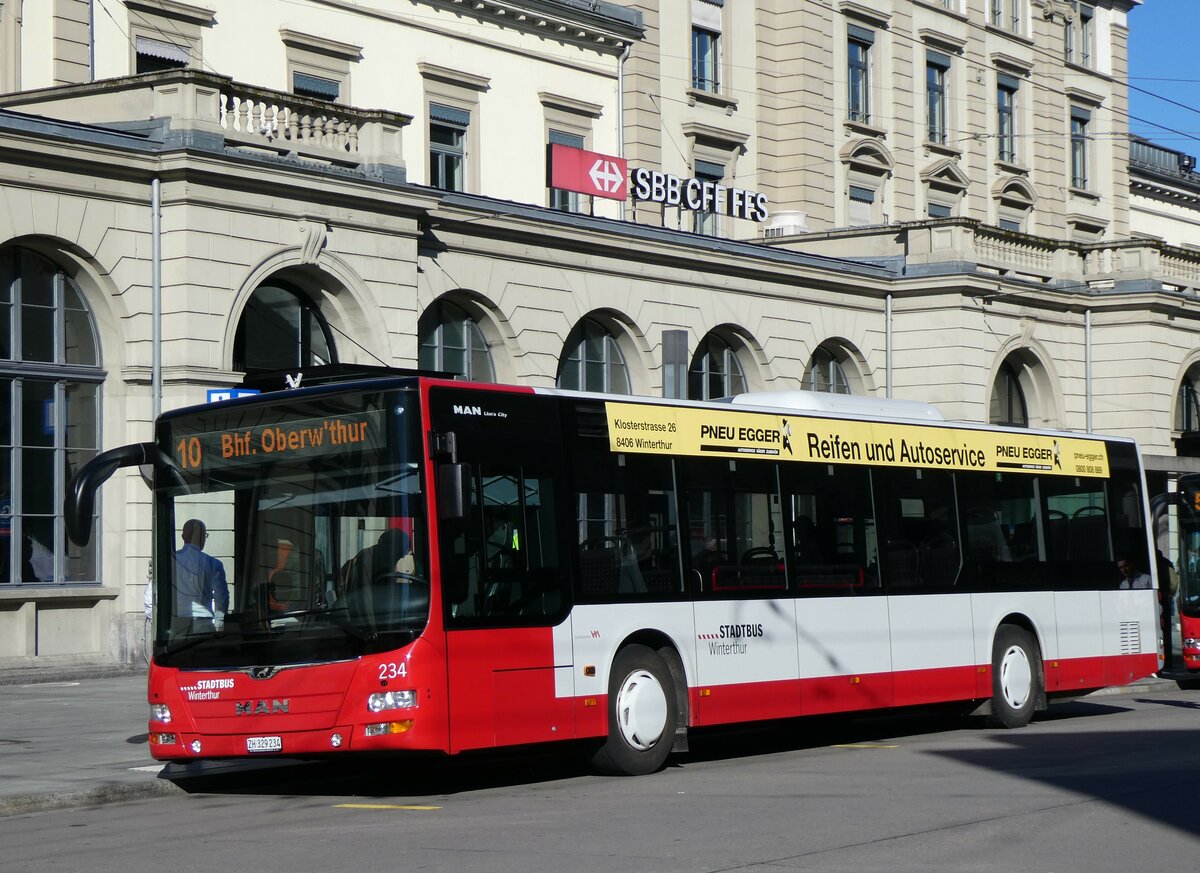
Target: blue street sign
[(216, 395)]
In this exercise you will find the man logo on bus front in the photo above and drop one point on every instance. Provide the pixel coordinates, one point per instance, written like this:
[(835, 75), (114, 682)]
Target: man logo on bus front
[(786, 429)]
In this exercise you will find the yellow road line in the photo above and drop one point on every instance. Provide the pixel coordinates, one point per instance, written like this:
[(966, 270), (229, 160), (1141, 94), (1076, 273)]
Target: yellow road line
[(382, 806), (865, 746)]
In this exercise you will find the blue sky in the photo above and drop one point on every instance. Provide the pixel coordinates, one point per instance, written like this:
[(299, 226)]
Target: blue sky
[(1164, 60)]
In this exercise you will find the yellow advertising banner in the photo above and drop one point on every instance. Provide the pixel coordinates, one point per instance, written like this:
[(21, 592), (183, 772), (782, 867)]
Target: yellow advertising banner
[(679, 430)]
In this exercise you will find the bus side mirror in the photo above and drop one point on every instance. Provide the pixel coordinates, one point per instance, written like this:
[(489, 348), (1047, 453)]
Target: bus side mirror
[(453, 491)]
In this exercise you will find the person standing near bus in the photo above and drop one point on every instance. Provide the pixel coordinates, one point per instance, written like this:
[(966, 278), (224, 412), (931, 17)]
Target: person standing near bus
[(201, 591)]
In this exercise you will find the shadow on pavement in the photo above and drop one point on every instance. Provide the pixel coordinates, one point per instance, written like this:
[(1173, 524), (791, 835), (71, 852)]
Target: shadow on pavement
[(409, 775), (1152, 774)]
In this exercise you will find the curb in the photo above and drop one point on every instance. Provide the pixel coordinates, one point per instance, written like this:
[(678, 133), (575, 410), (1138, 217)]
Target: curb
[(39, 676), (115, 792)]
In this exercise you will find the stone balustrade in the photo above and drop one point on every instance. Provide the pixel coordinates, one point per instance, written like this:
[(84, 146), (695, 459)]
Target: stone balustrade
[(196, 102)]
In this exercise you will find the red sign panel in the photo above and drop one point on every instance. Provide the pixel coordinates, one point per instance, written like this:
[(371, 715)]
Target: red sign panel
[(586, 172)]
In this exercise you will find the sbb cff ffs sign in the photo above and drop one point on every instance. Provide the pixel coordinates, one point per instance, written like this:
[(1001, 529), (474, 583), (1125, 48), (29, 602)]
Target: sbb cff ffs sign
[(607, 176), (698, 195), (585, 172)]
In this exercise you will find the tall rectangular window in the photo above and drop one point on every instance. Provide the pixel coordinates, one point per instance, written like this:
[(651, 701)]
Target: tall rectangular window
[(565, 201), (1006, 14), (937, 65), (706, 44), (704, 59), (1006, 118), (447, 146), (858, 73), (1080, 34), (1080, 122)]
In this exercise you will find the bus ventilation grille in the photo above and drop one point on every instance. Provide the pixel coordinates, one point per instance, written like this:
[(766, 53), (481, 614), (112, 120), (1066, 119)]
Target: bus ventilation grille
[(1131, 638)]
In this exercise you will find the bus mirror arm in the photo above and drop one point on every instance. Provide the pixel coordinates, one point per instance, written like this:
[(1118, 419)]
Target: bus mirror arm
[(454, 490), (80, 502)]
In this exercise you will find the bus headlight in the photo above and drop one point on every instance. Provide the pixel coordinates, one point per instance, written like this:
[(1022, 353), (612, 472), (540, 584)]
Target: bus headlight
[(160, 712), (384, 700)]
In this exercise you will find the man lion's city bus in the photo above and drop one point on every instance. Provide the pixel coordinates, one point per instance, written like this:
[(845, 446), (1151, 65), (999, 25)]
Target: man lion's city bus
[(418, 563), (1189, 579)]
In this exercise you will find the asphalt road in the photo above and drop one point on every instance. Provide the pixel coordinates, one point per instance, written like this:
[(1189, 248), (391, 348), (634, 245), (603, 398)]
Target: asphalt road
[(1105, 784)]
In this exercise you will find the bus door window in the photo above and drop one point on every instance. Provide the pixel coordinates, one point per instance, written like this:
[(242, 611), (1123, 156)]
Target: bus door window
[(735, 524), (920, 522), (502, 561), (834, 551), (626, 524)]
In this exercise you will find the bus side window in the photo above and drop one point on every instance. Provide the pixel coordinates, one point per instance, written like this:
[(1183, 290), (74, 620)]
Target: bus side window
[(920, 517), (833, 549), (626, 526)]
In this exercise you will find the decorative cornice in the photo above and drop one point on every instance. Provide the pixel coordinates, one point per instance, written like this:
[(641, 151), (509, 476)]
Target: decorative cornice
[(195, 14), (570, 104), (454, 77), (324, 45)]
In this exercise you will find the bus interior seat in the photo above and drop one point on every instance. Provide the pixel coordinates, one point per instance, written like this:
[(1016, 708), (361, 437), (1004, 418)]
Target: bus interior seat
[(985, 536), (939, 561), (600, 566), (903, 564), (1089, 535)]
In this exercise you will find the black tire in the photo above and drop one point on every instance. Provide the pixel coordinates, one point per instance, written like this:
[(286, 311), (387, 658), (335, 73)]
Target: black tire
[(1017, 679), (642, 714), (1188, 684)]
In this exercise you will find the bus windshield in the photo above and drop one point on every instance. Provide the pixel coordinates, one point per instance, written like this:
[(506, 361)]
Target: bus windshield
[(292, 534)]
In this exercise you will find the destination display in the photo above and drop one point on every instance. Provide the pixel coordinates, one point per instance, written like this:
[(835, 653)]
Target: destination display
[(297, 438), (676, 430)]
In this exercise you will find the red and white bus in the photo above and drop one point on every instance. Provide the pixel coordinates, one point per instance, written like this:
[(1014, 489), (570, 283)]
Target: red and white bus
[(1188, 597), (418, 563)]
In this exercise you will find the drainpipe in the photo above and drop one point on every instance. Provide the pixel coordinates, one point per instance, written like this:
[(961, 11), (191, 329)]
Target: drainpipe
[(91, 40), (1087, 365), (887, 317), (621, 109), (156, 295)]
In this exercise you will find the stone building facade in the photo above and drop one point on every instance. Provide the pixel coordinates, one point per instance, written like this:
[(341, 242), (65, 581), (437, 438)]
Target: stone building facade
[(949, 221)]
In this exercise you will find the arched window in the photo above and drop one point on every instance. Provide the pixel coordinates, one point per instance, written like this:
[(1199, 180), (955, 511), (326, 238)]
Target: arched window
[(281, 329), (1008, 400), (825, 373), (50, 393), (452, 342), (592, 361), (1187, 412), (715, 371)]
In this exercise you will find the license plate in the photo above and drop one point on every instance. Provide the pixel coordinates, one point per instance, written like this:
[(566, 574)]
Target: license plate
[(264, 744)]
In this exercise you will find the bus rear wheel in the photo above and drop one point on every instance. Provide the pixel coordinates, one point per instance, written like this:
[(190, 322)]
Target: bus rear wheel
[(642, 714), (1016, 677)]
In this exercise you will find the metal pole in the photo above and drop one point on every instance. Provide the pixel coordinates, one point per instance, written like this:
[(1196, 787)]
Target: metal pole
[(888, 343), (620, 113), (156, 295), (1087, 365)]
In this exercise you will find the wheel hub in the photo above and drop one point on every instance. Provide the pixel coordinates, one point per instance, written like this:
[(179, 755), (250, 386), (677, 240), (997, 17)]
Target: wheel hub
[(1016, 677), (641, 710)]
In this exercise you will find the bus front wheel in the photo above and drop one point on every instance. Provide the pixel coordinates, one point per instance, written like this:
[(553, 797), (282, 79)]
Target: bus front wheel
[(642, 714), (1016, 677)]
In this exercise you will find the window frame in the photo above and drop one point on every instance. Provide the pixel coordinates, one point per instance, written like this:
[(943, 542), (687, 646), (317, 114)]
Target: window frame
[(65, 444), (1080, 152), (937, 93), (858, 73), (1007, 89)]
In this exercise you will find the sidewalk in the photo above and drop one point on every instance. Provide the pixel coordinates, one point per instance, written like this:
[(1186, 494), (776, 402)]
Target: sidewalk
[(74, 742), (82, 741)]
